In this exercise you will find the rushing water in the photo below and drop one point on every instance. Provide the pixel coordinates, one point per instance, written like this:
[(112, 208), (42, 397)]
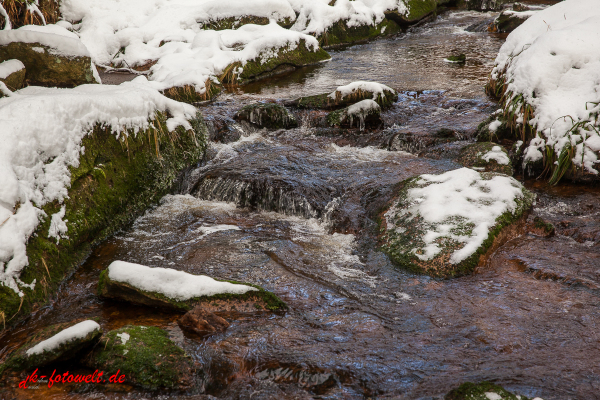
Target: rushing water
[(294, 211)]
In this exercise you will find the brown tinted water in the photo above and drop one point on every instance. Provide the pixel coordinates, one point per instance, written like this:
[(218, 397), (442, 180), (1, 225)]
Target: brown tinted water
[(357, 327)]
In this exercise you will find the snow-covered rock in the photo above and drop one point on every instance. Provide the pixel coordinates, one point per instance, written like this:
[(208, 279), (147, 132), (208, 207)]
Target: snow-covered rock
[(54, 343), (349, 94), (364, 114), (509, 20), (486, 156), (52, 55), (549, 73), (444, 225), (12, 75), (173, 289), (37, 152)]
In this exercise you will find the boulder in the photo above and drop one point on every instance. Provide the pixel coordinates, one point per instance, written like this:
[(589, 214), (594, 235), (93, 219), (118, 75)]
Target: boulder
[(12, 74), (52, 56), (54, 343), (267, 115), (481, 391), (275, 61), (180, 291), (486, 156), (145, 355), (202, 322), (446, 225), (364, 114), (509, 20), (349, 94), (340, 34), (485, 5)]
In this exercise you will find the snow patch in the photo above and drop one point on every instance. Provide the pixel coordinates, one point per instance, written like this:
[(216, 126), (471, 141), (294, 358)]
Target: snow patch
[(496, 154), (9, 67), (177, 285), (77, 331), (124, 336), (58, 227), (376, 88), (59, 40)]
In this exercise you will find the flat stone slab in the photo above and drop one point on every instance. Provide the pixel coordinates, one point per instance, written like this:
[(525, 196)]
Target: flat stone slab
[(180, 291)]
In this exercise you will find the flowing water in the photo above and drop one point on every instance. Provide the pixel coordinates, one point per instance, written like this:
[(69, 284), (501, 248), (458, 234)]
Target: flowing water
[(295, 212)]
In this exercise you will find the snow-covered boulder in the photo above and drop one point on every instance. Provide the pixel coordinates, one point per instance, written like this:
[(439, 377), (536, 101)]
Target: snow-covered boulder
[(364, 114), (445, 225), (146, 356), (176, 290), (55, 343), (12, 75), (267, 115), (52, 55), (349, 94), (509, 20), (89, 161), (548, 75), (486, 156)]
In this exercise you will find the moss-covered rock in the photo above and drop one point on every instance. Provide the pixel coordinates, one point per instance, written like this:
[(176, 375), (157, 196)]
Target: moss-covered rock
[(287, 58), (267, 115), (508, 21), (417, 10), (486, 156), (364, 114), (427, 246), (12, 74), (458, 58), (481, 391), (252, 300), (19, 360), (340, 34), (46, 67), (145, 355), (188, 93), (236, 22), (339, 99), (116, 180)]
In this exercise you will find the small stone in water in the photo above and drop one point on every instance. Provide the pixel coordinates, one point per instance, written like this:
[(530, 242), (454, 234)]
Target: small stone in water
[(202, 322), (461, 58)]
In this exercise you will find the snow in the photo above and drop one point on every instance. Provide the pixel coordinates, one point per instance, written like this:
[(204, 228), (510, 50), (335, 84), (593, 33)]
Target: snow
[(453, 199), (363, 107), (177, 285), (497, 155), (35, 153), (493, 127), (553, 60), (376, 88), (59, 40), (124, 336), (77, 331), (58, 227), (493, 396), (9, 67)]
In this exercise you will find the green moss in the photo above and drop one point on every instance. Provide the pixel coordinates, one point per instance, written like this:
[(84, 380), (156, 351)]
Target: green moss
[(148, 358), (340, 34), (419, 9), (46, 68), (119, 290), (461, 58), (546, 227), (116, 180), (20, 361), (477, 391), (287, 59), (267, 115), (236, 22), (399, 245), (472, 156)]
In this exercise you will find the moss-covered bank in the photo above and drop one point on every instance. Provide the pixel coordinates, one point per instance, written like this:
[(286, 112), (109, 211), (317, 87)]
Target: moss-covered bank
[(116, 180), (111, 289)]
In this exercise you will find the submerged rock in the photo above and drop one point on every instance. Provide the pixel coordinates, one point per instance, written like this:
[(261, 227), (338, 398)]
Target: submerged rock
[(55, 343), (202, 322), (509, 20), (364, 114), (486, 156), (349, 94), (180, 291), (445, 225), (50, 59), (12, 74), (267, 115), (481, 391), (145, 355)]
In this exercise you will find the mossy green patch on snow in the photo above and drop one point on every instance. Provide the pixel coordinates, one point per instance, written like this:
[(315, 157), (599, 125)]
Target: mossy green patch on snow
[(401, 243), (477, 391), (116, 180), (108, 288), (145, 355)]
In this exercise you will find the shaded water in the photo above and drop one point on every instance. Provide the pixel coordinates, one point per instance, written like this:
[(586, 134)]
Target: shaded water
[(294, 211)]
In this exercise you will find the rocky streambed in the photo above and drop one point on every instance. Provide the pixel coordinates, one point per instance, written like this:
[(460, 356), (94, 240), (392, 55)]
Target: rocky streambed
[(296, 211)]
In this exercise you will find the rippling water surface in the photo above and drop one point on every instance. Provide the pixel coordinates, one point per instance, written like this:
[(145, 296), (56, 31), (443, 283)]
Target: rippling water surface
[(295, 212)]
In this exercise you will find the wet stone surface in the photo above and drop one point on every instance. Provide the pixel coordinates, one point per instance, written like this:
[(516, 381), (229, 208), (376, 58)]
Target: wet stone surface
[(294, 211)]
